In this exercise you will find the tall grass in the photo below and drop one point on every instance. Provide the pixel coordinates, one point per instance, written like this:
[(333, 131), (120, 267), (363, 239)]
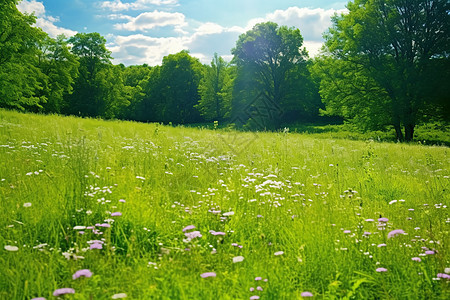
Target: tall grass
[(296, 207)]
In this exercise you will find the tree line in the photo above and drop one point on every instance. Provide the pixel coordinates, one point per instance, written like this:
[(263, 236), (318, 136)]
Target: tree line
[(385, 64)]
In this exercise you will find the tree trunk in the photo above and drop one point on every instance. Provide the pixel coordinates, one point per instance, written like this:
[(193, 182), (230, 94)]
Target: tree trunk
[(409, 132), (398, 132)]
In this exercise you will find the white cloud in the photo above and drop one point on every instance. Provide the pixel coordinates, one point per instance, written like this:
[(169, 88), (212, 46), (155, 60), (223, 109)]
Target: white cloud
[(207, 38), (311, 22), (118, 5), (42, 19), (141, 49), (151, 20)]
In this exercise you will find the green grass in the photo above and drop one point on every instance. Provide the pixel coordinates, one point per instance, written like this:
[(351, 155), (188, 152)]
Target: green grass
[(289, 192)]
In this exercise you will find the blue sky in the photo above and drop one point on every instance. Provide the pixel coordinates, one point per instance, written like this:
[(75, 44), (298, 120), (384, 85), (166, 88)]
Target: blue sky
[(144, 31)]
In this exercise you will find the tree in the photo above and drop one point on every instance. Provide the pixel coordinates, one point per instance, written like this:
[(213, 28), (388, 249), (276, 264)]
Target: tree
[(60, 67), (387, 52), (180, 76), (87, 98), (20, 79), (215, 90), (265, 58)]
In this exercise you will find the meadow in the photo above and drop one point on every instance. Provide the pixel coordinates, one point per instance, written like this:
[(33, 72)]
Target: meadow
[(94, 209)]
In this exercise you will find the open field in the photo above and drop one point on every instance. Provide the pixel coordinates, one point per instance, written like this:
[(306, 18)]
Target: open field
[(275, 214)]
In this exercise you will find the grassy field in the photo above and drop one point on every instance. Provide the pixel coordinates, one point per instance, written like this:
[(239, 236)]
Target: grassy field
[(276, 215)]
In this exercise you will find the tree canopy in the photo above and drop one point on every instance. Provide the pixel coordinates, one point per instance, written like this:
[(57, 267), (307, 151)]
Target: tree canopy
[(386, 63)]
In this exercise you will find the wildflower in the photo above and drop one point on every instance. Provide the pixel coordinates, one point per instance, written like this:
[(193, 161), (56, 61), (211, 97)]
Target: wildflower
[(63, 291), (79, 228), (11, 248), (189, 227), (122, 200), (255, 297), (28, 204), (429, 252), (259, 288), (238, 259), (278, 253), (369, 220), (252, 289), (381, 270), (116, 214), (258, 278), (192, 235), (416, 259), (306, 294), (217, 232), (447, 270), (381, 245), (347, 231), (230, 213), (83, 272), (395, 233), (95, 246), (443, 275), (119, 296), (39, 298), (383, 220), (208, 274)]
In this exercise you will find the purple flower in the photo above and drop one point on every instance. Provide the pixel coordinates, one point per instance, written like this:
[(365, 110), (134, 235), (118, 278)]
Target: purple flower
[(258, 278), (116, 214), (370, 220), (306, 294), (383, 220), (103, 225), (367, 233), (83, 272), (347, 231), (443, 275), (255, 297), (122, 200), (259, 288), (95, 246), (63, 291), (395, 233), (208, 274), (217, 232), (252, 289), (416, 259), (39, 298), (193, 234), (381, 270), (189, 227), (429, 252), (381, 245)]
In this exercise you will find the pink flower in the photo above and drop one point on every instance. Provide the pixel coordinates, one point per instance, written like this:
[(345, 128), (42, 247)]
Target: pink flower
[(395, 233), (306, 294), (255, 297), (208, 274), (95, 246), (193, 234), (381, 270), (416, 259), (83, 272), (63, 291), (383, 220), (443, 275), (429, 252), (189, 227), (116, 214)]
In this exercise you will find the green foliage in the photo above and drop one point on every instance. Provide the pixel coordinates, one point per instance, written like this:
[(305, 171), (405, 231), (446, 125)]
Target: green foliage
[(216, 90), (20, 79), (179, 77), (394, 51), (270, 61)]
